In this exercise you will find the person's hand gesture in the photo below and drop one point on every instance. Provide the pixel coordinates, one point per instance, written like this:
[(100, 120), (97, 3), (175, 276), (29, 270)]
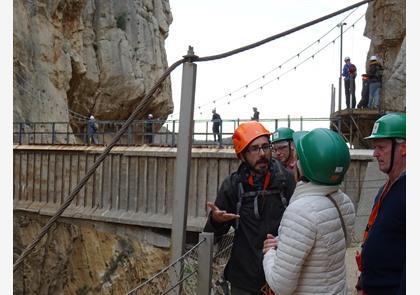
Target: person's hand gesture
[(270, 243), (220, 216)]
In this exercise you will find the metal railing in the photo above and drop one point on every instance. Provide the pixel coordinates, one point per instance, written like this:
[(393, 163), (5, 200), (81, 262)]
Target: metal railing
[(164, 132), (198, 271)]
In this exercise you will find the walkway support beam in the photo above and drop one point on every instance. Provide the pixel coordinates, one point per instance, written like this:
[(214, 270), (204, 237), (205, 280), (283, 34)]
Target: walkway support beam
[(183, 158)]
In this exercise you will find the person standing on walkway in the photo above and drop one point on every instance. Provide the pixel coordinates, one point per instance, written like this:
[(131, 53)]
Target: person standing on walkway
[(217, 122), (375, 73), (256, 115), (149, 129), (284, 149), (349, 73), (308, 255), (92, 128), (252, 200), (383, 259), (364, 101)]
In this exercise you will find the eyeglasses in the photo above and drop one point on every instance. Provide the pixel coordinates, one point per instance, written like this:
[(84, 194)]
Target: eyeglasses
[(279, 148), (255, 149)]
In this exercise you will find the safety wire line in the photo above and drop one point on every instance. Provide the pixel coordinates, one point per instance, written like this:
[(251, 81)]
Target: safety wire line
[(101, 157), (168, 267), (146, 100), (290, 69), (274, 37), (263, 76)]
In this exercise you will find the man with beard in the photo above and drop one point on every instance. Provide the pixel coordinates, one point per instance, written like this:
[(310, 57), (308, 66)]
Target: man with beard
[(252, 200)]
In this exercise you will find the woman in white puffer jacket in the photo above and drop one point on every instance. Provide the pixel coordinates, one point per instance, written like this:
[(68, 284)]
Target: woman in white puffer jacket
[(308, 256)]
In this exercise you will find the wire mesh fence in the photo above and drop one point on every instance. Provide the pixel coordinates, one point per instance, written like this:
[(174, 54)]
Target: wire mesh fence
[(182, 274)]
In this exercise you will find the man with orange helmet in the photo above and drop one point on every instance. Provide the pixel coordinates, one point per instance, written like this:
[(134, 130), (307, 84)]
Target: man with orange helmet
[(252, 200)]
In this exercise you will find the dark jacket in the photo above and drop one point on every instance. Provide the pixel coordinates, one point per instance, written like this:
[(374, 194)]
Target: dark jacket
[(244, 268), (216, 122), (383, 254), (91, 127), (375, 72), (256, 116)]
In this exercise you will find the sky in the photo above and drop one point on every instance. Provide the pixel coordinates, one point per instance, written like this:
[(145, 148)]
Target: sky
[(217, 26)]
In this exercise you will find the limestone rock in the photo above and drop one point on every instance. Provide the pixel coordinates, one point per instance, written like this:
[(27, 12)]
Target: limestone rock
[(385, 26), (75, 259), (87, 57)]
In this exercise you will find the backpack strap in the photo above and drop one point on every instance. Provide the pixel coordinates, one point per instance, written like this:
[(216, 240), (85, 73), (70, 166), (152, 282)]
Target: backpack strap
[(239, 203), (343, 226)]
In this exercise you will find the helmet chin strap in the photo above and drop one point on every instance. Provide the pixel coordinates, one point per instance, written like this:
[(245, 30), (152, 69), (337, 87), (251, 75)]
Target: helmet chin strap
[(391, 165)]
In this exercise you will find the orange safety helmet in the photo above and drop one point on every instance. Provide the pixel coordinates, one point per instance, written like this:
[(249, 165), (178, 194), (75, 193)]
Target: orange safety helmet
[(247, 132)]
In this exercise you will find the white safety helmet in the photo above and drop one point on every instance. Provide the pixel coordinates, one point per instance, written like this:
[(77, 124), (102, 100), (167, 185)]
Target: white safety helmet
[(373, 57), (91, 117), (150, 116), (346, 58)]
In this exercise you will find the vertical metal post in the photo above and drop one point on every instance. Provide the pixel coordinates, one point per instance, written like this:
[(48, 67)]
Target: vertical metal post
[(20, 132), (207, 132), (276, 124), (130, 135), (341, 64), (288, 121), (67, 134), (301, 123), (53, 133), (221, 134), (34, 134), (205, 257), (183, 158), (332, 99), (173, 133)]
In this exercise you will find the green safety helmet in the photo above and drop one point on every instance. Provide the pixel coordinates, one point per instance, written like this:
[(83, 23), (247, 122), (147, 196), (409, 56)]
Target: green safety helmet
[(389, 126), (282, 133), (323, 155)]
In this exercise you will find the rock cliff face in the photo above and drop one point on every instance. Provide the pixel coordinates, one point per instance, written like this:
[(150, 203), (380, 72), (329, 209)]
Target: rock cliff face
[(75, 259), (86, 57), (385, 26)]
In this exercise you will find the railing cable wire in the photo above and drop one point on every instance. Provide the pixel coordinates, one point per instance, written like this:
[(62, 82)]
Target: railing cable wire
[(146, 100)]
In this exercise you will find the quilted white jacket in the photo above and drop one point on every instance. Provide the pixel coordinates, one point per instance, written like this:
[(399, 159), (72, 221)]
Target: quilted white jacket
[(311, 247)]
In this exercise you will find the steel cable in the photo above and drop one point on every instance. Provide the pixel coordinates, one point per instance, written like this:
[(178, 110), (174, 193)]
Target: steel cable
[(145, 102)]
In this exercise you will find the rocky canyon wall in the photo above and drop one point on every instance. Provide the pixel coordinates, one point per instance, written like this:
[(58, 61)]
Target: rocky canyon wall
[(82, 57), (386, 28)]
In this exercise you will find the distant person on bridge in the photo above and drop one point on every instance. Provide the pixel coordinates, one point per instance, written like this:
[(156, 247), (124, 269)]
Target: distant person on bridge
[(149, 129), (92, 128), (383, 259), (375, 73), (256, 115), (252, 200), (349, 73), (364, 101), (284, 149), (217, 122), (308, 255)]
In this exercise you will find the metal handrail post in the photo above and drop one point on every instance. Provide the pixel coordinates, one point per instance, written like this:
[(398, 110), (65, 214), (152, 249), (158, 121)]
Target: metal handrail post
[(183, 158), (288, 121), (173, 133), (301, 123), (20, 132), (53, 133), (205, 257)]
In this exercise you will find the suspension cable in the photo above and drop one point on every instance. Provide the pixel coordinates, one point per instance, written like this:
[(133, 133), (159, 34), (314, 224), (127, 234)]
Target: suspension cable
[(146, 100)]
